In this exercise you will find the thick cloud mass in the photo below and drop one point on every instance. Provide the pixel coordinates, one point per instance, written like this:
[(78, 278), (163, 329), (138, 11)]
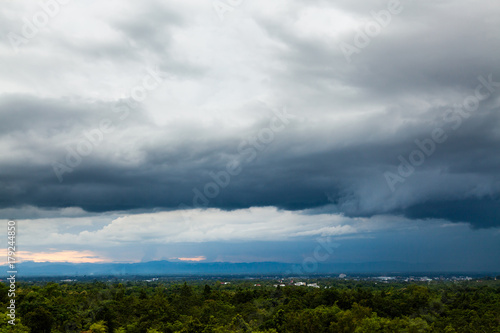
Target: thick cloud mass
[(222, 88)]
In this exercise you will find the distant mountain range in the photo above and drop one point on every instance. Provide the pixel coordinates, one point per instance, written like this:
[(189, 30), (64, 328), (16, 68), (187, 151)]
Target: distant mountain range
[(27, 269)]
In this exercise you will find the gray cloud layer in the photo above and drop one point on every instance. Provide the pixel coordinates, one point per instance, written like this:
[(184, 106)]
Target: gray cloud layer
[(351, 121)]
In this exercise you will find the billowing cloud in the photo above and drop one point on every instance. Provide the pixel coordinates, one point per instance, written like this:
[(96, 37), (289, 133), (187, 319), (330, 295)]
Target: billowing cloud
[(212, 225), (257, 235), (131, 109)]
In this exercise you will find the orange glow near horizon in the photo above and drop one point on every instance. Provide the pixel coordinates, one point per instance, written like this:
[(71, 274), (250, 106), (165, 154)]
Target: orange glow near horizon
[(61, 256), (199, 258)]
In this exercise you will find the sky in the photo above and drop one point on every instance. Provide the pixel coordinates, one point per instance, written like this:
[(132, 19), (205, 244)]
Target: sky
[(245, 131)]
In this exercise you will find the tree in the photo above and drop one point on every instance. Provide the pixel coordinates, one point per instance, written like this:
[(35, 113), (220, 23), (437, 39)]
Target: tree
[(279, 321), (99, 327), (39, 321), (207, 291), (5, 327)]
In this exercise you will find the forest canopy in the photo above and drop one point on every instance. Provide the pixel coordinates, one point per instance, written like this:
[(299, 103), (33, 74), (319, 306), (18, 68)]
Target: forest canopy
[(207, 306)]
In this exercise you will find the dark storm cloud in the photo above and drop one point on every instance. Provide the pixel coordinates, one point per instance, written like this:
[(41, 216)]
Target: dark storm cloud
[(351, 123), (460, 182)]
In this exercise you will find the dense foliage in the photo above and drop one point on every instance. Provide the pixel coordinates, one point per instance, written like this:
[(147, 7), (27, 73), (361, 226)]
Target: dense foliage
[(210, 306)]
